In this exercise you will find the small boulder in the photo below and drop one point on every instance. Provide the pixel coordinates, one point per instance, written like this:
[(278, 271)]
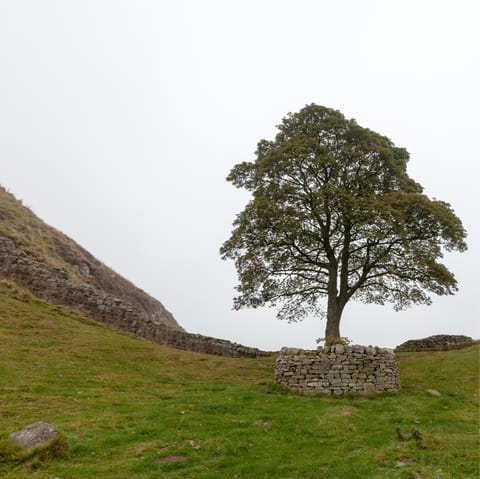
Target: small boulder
[(434, 392), (369, 389), (33, 435)]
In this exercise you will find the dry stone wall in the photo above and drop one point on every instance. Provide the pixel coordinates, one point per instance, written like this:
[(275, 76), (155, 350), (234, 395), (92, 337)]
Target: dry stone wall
[(52, 284), (337, 370), (439, 342), (196, 342)]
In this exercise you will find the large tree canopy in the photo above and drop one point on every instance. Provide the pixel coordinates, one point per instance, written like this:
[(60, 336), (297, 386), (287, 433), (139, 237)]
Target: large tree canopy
[(334, 214)]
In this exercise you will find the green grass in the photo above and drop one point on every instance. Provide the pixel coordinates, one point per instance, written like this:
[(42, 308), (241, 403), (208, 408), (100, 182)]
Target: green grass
[(123, 404)]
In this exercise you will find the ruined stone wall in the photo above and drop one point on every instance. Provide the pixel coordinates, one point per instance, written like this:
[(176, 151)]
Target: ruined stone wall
[(439, 342), (196, 342), (52, 284), (338, 370)]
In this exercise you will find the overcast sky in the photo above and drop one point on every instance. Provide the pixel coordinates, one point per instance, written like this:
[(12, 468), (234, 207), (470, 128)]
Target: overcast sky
[(119, 121)]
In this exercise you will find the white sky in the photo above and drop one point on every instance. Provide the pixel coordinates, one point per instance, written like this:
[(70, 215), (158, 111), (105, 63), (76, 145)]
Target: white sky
[(120, 119)]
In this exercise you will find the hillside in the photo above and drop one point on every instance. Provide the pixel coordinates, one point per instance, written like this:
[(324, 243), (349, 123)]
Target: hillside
[(56, 269), (55, 257), (128, 408)]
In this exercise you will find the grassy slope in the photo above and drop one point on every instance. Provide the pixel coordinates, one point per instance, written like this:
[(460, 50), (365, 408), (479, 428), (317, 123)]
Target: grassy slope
[(124, 403)]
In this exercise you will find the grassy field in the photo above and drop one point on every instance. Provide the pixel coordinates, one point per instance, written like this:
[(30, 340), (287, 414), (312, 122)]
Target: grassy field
[(128, 408)]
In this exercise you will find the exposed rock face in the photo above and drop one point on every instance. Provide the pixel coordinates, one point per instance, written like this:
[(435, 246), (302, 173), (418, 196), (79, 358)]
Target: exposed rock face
[(439, 342), (58, 270), (338, 370), (33, 435), (52, 284)]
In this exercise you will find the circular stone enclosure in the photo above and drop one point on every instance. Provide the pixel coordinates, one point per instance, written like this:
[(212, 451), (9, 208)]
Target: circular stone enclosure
[(338, 370)]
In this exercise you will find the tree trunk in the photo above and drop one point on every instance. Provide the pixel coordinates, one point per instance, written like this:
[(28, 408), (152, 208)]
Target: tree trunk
[(334, 307), (334, 313)]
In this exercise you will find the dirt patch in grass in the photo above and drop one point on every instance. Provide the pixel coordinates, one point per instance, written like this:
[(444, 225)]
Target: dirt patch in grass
[(348, 411)]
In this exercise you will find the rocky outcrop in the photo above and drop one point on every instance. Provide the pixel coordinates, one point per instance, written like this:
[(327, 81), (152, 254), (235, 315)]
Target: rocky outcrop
[(337, 370), (439, 342), (34, 435), (58, 270), (53, 284)]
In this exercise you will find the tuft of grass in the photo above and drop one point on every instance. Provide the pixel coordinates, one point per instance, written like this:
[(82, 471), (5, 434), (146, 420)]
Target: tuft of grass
[(13, 455), (9, 452), (129, 408)]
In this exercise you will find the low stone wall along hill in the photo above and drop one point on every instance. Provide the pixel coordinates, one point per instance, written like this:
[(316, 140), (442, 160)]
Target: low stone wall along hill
[(439, 342), (53, 285)]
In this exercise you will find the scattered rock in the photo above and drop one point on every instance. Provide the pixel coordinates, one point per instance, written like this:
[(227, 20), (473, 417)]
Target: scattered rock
[(170, 459), (33, 435), (404, 461), (434, 392), (194, 444)]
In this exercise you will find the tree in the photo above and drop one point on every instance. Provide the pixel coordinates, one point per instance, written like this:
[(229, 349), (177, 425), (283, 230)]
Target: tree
[(334, 214)]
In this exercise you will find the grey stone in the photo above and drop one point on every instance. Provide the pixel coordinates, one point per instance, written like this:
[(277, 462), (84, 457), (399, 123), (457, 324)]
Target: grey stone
[(369, 388), (321, 370), (33, 435), (339, 348), (434, 392)]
